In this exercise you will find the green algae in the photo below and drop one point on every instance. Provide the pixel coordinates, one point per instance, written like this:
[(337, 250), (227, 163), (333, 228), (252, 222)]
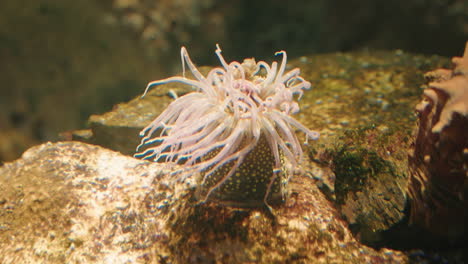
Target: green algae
[(354, 163), (361, 89)]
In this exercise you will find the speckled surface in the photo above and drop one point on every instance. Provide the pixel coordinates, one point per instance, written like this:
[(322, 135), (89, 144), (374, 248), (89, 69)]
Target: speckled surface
[(76, 203)]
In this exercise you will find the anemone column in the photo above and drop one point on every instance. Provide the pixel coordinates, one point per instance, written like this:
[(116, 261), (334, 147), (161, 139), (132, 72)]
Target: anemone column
[(439, 160)]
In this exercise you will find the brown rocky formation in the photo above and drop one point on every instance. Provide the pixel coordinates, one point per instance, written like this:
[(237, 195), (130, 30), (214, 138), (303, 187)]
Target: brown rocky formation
[(72, 202)]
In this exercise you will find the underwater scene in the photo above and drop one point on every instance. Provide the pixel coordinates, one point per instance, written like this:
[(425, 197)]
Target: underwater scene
[(204, 131)]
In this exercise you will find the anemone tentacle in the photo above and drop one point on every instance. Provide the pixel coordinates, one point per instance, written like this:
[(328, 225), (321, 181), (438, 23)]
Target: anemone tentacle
[(223, 119)]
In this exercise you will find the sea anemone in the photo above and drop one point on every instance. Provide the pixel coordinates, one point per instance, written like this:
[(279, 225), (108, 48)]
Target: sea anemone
[(235, 129), (438, 164)]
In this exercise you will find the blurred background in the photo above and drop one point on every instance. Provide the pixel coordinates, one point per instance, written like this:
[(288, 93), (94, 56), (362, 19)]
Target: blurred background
[(63, 60)]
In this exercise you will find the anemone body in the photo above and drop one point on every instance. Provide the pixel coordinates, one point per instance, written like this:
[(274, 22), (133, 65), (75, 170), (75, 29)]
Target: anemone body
[(438, 186), (236, 112), (249, 184)]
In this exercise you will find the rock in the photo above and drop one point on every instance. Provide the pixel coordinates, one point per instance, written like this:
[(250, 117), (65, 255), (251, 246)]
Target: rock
[(72, 202), (119, 128), (361, 103)]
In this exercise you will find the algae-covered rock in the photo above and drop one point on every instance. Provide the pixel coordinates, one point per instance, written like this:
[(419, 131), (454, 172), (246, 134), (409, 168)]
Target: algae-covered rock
[(361, 103), (119, 128), (349, 90), (71, 202)]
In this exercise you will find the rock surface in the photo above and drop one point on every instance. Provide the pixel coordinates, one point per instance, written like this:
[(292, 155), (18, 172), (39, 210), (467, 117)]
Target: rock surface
[(363, 106), (72, 202)]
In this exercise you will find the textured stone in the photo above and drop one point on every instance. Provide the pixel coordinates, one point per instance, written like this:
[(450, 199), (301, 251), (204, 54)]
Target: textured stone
[(362, 104), (71, 202)]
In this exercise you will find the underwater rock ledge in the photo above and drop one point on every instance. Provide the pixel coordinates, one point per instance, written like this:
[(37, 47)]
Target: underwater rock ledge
[(78, 203), (362, 103)]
